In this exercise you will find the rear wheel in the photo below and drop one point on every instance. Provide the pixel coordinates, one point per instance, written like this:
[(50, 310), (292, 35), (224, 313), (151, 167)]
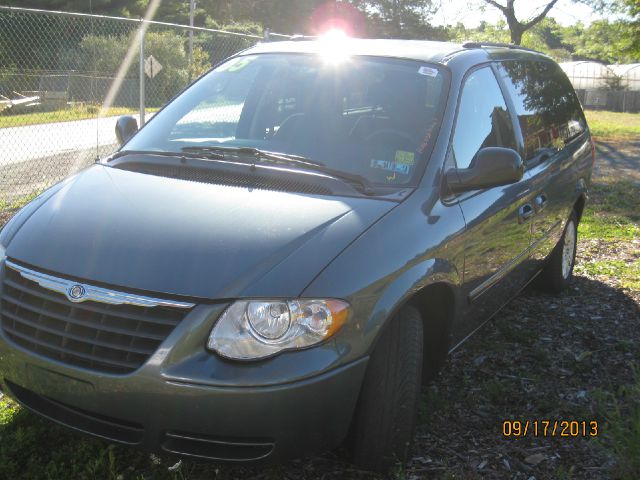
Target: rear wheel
[(556, 275), (383, 427)]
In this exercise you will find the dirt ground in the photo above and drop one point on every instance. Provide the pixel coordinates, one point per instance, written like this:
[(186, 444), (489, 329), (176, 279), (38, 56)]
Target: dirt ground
[(617, 159)]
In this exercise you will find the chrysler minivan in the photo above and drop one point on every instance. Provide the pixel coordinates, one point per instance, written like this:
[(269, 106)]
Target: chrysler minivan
[(275, 263)]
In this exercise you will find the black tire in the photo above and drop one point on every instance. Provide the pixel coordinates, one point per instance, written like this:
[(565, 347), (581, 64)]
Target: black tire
[(384, 422), (555, 277)]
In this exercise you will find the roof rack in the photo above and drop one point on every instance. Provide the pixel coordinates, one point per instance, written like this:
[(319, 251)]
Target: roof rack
[(481, 44)]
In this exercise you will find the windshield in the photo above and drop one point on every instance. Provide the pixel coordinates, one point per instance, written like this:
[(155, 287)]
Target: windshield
[(366, 116)]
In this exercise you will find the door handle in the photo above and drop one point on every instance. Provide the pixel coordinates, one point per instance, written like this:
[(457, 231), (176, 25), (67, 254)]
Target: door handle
[(525, 212), (541, 202)]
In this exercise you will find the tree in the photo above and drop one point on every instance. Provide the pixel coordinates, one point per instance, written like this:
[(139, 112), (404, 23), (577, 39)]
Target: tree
[(517, 27), (398, 18), (609, 42), (633, 11)]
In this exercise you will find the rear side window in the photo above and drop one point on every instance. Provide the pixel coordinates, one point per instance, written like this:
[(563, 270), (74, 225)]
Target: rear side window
[(548, 110), (483, 119)]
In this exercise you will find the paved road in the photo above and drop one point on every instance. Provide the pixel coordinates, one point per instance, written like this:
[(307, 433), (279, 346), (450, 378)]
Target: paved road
[(33, 142), (19, 144), (34, 157)]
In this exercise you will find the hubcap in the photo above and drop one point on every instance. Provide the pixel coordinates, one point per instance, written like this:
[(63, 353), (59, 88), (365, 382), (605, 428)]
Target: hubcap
[(568, 249)]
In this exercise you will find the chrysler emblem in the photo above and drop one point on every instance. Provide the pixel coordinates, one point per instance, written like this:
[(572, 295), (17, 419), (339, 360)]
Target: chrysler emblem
[(76, 293)]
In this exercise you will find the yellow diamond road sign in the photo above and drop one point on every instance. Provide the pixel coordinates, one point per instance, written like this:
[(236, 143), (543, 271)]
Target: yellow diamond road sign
[(152, 66)]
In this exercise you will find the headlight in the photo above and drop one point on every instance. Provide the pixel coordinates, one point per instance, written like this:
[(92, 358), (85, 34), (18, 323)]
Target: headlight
[(254, 329)]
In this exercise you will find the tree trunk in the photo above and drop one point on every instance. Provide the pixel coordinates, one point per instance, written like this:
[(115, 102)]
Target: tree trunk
[(517, 28), (516, 35)]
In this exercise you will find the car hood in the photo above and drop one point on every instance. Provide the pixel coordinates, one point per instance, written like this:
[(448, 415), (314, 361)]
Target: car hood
[(155, 234)]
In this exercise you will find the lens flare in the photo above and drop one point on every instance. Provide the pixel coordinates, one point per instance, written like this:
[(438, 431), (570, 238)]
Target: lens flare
[(334, 35), (332, 48)]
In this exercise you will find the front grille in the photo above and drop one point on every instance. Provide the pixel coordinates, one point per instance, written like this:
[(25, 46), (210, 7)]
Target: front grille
[(107, 338)]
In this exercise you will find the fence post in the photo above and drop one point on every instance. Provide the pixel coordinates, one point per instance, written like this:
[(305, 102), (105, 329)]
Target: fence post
[(141, 74), (192, 6)]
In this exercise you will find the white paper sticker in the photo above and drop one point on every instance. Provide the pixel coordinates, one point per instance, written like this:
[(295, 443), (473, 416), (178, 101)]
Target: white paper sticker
[(431, 72)]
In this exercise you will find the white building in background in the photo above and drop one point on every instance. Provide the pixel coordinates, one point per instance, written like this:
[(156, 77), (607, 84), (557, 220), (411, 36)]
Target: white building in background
[(587, 75), (629, 75)]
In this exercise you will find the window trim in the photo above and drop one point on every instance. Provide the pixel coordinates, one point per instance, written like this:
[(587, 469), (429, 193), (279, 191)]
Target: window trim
[(517, 131)]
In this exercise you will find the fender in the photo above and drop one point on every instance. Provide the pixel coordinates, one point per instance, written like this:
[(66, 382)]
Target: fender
[(380, 271), (408, 283)]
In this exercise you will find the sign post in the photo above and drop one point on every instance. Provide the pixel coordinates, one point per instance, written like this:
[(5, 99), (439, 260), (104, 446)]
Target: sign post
[(141, 75)]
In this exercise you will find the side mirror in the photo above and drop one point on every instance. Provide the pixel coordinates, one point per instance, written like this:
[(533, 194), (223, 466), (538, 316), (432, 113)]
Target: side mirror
[(126, 127), (491, 167)]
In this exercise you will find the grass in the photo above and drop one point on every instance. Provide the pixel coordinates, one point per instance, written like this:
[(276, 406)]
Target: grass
[(622, 426), (613, 216), (81, 112), (613, 126), (628, 273), (17, 204), (34, 448), (613, 211)]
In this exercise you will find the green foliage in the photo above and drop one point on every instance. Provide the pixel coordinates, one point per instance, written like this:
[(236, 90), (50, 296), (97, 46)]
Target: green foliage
[(603, 40), (633, 31), (610, 41), (105, 53), (397, 18), (484, 32), (200, 63)]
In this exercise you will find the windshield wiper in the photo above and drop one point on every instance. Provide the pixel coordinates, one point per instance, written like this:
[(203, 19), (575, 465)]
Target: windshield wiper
[(255, 152), (202, 155), (361, 183)]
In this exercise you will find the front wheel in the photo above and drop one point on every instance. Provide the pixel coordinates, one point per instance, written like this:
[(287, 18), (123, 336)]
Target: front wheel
[(556, 275), (383, 427)]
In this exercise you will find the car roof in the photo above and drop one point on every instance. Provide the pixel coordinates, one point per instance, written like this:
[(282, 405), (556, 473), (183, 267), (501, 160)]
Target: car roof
[(420, 50)]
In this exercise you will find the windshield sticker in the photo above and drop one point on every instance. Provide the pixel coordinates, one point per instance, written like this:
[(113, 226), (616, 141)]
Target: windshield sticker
[(405, 158), (428, 71), (390, 166)]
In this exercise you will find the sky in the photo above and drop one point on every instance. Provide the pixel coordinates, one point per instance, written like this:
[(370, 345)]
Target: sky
[(565, 12)]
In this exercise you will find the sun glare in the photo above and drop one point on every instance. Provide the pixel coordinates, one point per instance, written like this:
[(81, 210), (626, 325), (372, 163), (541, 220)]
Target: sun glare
[(333, 49), (333, 35)]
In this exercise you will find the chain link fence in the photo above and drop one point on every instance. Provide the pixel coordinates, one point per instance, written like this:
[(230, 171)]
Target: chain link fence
[(64, 81)]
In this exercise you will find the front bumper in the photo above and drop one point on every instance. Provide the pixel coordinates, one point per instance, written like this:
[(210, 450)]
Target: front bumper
[(221, 424), (191, 402)]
